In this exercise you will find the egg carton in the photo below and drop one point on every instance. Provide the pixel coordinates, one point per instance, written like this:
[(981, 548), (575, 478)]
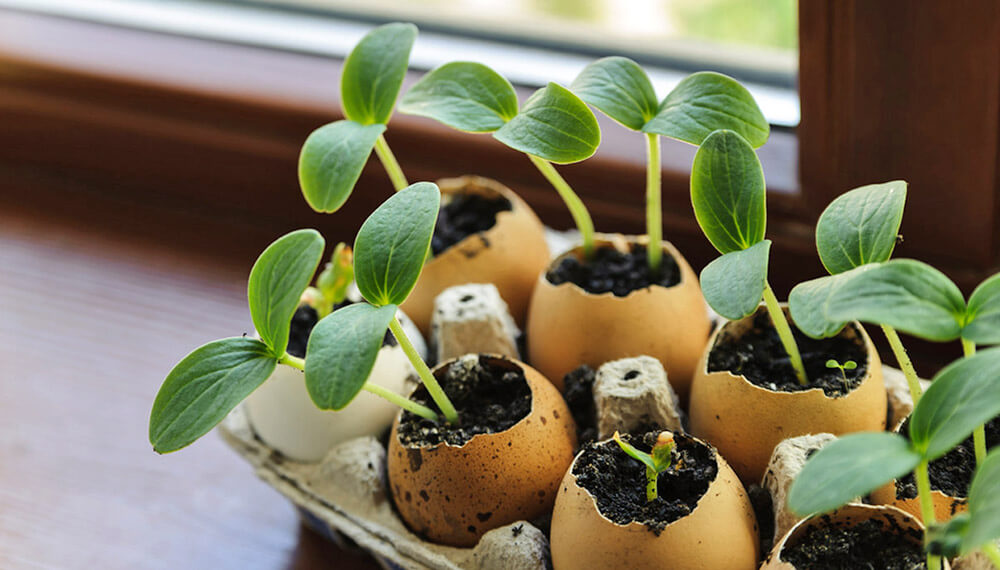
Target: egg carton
[(345, 497)]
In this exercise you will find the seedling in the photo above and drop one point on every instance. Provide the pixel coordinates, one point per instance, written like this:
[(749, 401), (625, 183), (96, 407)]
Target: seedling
[(333, 282), (553, 125), (661, 459), (334, 155), (849, 365), (962, 396), (979, 527), (699, 104), (389, 253), (728, 193), (208, 383)]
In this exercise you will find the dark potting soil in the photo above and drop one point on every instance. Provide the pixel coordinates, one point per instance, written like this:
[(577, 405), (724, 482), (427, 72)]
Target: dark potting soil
[(303, 321), (952, 472), (611, 271), (578, 391), (489, 394), (465, 215), (760, 357), (868, 544), (618, 482)]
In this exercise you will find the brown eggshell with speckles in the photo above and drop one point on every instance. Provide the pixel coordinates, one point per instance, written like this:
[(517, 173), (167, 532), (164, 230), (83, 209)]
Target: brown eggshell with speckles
[(720, 533), (453, 495), (745, 422), (568, 326), (509, 255), (845, 516)]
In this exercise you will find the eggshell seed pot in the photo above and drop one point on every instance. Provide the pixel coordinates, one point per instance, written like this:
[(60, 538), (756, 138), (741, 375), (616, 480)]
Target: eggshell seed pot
[(454, 494), (846, 516), (745, 421), (568, 326), (285, 417), (720, 533), (509, 255)]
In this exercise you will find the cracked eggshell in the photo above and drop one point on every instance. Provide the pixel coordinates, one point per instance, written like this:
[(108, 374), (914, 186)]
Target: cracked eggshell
[(745, 422), (845, 516), (719, 534), (285, 418), (509, 255), (454, 494), (568, 326)]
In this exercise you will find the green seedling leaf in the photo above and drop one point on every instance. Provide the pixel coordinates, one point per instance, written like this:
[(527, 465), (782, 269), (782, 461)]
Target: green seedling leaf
[(983, 313), (620, 88), (905, 294), (393, 243), (374, 71), (984, 504), (204, 387), (277, 281), (331, 162), (707, 101), (852, 466), (641, 456), (554, 125), (341, 353), (734, 283), (861, 226), (727, 191), (961, 398), (464, 95)]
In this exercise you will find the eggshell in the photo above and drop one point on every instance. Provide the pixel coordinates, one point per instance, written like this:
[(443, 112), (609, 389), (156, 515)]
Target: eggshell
[(848, 515), (284, 416), (719, 534), (568, 326), (454, 494), (745, 422), (509, 255)]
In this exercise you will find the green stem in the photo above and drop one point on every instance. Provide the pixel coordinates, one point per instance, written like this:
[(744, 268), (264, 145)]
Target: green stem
[(430, 382), (405, 403), (905, 364), (293, 361), (978, 436), (581, 217), (390, 164), (926, 507), (651, 491), (654, 223), (992, 552), (785, 333)]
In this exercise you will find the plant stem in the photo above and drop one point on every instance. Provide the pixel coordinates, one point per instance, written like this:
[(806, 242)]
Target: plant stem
[(651, 490), (784, 333), (992, 552), (293, 361), (926, 506), (390, 164), (405, 403), (978, 436), (430, 382), (903, 359), (654, 223), (581, 217)]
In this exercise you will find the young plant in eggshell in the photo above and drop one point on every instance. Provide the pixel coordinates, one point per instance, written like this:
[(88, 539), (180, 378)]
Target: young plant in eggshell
[(739, 410), (509, 254), (448, 493), (589, 530), (960, 398)]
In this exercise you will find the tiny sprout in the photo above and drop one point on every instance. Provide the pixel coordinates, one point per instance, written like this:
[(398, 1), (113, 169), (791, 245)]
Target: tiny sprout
[(849, 365), (333, 281), (661, 459)]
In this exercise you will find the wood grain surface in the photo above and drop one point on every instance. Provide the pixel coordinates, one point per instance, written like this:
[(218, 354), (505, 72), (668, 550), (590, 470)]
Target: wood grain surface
[(91, 320)]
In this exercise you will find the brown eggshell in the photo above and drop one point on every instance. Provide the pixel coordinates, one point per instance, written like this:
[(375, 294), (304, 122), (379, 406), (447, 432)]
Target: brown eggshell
[(453, 495), (745, 422), (719, 534), (510, 255), (568, 326), (845, 516)]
